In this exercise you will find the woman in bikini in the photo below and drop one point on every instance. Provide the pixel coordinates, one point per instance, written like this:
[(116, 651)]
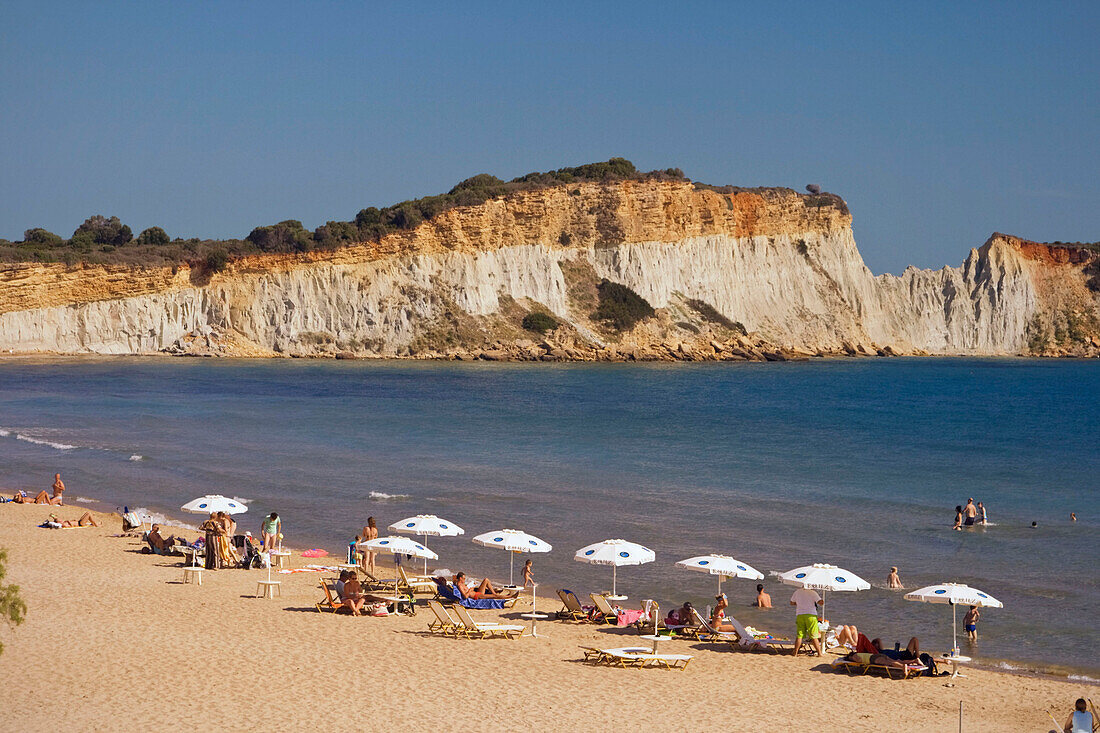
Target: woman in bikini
[(484, 589), (370, 532), (718, 617)]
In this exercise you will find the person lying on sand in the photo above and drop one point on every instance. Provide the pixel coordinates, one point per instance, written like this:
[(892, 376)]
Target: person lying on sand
[(41, 498), (86, 520), (484, 589)]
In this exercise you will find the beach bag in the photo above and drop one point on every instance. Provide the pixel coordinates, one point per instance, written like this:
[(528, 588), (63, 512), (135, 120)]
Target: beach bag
[(379, 609)]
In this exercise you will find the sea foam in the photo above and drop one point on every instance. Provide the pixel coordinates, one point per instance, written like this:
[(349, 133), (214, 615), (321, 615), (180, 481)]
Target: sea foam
[(382, 496)]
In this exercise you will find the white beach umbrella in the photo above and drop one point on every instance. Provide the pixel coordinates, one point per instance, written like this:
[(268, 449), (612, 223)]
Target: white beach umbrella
[(214, 503), (955, 594), (824, 577), (615, 553), (426, 525), (514, 541), (723, 566)]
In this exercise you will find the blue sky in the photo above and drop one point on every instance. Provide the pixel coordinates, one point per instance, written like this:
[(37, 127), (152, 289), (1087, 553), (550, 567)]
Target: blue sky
[(939, 123)]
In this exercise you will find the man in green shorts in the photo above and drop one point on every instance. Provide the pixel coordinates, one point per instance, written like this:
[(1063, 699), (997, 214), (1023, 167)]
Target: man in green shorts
[(806, 602)]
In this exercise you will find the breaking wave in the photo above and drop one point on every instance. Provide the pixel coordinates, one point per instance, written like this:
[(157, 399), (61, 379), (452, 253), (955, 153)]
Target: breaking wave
[(136, 457), (40, 441), (382, 496)]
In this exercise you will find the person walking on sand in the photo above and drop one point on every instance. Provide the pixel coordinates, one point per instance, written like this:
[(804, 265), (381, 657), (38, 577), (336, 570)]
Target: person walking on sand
[(892, 580), (529, 574), (370, 532), (806, 602), (958, 518), (1081, 720), (970, 621), (763, 600), (971, 513)]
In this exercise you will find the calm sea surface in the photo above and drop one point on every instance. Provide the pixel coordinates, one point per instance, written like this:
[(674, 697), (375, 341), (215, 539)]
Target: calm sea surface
[(857, 463)]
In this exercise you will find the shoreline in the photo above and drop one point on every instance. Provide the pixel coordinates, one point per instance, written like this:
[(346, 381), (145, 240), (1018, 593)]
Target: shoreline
[(1011, 667), (134, 635)]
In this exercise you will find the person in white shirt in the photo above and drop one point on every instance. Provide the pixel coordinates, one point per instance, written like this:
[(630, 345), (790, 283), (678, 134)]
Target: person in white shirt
[(806, 602), (1081, 720)]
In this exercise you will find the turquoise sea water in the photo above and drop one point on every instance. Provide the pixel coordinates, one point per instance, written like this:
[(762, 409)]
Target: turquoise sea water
[(859, 463)]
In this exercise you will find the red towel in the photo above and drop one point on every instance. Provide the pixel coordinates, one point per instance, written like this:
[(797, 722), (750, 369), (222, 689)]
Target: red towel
[(628, 616), (864, 645)]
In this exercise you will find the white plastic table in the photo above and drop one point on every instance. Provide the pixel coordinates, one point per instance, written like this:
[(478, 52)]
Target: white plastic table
[(654, 638), (955, 661), (615, 598), (278, 559), (535, 623)]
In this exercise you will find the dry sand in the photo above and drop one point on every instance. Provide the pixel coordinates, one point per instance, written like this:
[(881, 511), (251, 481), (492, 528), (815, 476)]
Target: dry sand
[(115, 641)]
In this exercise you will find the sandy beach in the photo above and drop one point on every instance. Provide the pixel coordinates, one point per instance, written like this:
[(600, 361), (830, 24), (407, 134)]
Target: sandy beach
[(115, 640)]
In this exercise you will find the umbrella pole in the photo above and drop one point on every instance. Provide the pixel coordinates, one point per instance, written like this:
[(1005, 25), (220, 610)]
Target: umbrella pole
[(954, 631), (719, 587), (425, 543), (614, 569), (511, 565)]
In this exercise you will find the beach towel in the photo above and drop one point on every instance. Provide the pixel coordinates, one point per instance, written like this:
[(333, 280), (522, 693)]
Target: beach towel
[(310, 569), (627, 616)]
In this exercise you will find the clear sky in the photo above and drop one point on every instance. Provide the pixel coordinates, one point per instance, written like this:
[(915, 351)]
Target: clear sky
[(939, 123)]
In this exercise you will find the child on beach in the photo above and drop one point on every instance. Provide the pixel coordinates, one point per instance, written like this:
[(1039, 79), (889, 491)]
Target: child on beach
[(528, 574), (970, 621)]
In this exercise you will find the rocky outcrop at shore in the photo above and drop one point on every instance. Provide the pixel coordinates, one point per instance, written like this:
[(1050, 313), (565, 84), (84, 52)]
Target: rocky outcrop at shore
[(762, 274)]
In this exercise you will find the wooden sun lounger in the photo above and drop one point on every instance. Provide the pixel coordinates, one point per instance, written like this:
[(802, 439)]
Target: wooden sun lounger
[(607, 613), (443, 623), (415, 583), (469, 627), (765, 641), (636, 657), (706, 632), (911, 669)]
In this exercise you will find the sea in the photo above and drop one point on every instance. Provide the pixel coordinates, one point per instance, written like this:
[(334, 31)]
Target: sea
[(859, 463)]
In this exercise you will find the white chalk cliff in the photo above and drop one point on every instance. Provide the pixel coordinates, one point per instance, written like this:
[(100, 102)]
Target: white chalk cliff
[(783, 265)]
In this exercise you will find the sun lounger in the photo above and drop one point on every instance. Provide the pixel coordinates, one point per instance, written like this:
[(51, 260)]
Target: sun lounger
[(606, 613), (415, 583), (469, 627), (760, 639), (443, 623), (448, 594), (639, 657), (910, 669), (706, 632), (571, 607)]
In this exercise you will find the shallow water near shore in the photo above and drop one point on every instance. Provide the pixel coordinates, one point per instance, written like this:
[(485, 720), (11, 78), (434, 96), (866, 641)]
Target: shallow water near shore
[(854, 462)]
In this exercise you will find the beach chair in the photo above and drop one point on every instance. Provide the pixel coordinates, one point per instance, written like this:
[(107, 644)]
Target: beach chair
[(593, 655), (413, 584), (606, 612), (751, 639), (706, 632), (443, 623), (571, 607), (372, 582), (469, 627), (329, 602)]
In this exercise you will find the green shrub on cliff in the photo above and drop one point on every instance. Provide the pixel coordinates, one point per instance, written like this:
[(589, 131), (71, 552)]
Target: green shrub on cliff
[(620, 307), (539, 322), (154, 236)]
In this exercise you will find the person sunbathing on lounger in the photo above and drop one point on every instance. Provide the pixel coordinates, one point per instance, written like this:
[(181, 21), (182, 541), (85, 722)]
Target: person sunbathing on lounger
[(86, 520), (718, 616), (484, 589)]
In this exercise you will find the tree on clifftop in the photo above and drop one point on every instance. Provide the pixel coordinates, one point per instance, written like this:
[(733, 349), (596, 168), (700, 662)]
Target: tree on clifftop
[(153, 235), (99, 229), (12, 607)]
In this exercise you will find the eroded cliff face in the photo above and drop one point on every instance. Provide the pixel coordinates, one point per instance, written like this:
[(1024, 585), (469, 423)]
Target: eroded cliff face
[(749, 274)]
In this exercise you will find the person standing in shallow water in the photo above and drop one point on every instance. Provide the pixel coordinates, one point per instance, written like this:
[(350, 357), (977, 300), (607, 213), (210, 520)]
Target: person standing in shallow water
[(970, 621), (370, 532), (893, 580), (763, 600), (958, 518), (981, 514), (971, 513)]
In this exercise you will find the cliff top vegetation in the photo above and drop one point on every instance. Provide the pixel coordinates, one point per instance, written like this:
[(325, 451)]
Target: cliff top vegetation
[(106, 240)]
